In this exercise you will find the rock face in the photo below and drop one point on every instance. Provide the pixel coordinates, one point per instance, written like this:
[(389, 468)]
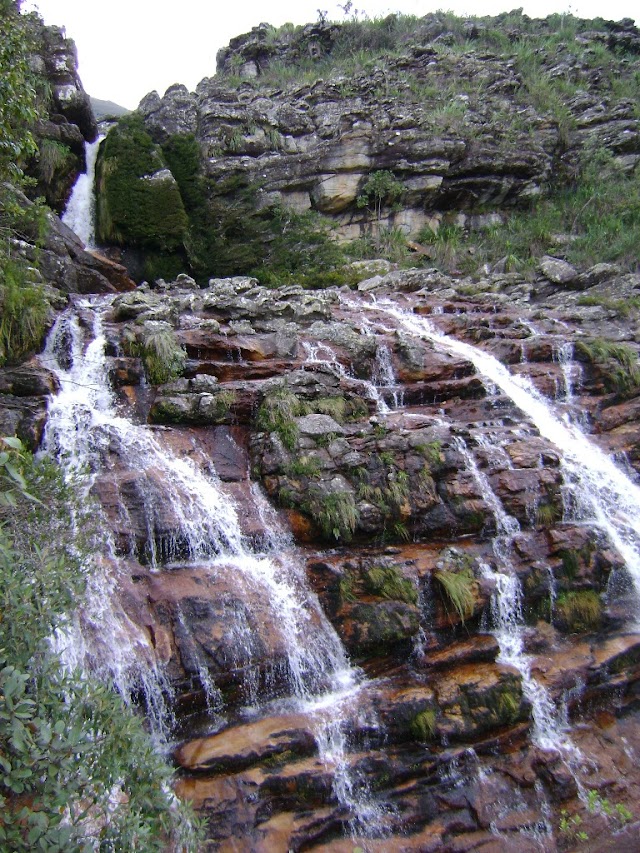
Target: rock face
[(356, 532), (460, 124), (413, 487), (68, 119)]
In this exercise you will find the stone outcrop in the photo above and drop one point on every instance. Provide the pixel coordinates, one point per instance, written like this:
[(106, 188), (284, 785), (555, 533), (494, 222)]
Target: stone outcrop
[(411, 492), (460, 130), (361, 435), (68, 119)]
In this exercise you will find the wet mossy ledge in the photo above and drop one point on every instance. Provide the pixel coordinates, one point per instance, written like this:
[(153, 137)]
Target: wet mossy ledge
[(138, 200)]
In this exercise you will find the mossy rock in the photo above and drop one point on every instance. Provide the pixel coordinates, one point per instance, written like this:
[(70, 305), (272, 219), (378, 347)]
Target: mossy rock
[(578, 612), (389, 582), (375, 629), (424, 725), (138, 199), (478, 699)]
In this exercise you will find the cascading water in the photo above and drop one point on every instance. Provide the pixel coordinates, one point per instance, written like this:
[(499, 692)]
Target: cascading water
[(79, 214), (90, 437), (508, 623), (596, 490)]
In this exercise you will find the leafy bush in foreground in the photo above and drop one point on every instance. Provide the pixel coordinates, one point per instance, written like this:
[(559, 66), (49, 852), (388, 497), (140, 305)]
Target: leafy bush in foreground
[(77, 770)]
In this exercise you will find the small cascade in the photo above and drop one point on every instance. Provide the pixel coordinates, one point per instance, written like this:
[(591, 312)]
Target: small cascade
[(93, 440), (598, 493), (571, 371), (79, 214), (384, 377), (508, 621), (102, 638), (322, 354)]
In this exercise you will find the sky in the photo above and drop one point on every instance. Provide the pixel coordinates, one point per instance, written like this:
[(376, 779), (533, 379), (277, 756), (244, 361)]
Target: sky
[(127, 48)]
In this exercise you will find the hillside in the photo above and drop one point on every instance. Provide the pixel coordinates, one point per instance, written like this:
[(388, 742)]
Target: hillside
[(485, 141)]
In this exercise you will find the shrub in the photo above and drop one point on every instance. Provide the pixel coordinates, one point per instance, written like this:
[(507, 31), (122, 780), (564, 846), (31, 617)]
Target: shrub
[(77, 769), (423, 725), (18, 100), (579, 611), (54, 157), (163, 357), (304, 466), (24, 311), (336, 514), (277, 413), (388, 582), (618, 362), (381, 188)]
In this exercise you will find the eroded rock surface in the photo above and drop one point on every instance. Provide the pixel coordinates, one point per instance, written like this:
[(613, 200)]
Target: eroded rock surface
[(409, 483)]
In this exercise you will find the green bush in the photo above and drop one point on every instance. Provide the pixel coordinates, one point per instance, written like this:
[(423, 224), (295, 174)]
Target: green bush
[(388, 582), (579, 611), (77, 769), (423, 725), (18, 98), (134, 208), (336, 514), (277, 413), (618, 363), (300, 249), (163, 357), (24, 311)]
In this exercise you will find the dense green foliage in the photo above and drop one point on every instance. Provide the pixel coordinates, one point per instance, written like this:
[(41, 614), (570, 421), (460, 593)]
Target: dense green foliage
[(76, 766), (24, 310), (208, 228), (23, 305), (18, 105), (139, 203)]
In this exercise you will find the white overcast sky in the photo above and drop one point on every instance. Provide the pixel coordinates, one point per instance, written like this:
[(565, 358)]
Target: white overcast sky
[(127, 48)]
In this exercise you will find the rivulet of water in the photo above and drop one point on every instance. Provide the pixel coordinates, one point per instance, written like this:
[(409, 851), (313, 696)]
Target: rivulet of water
[(597, 490)]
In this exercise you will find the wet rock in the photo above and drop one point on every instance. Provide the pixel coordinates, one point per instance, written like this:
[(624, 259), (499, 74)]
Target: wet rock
[(240, 747)]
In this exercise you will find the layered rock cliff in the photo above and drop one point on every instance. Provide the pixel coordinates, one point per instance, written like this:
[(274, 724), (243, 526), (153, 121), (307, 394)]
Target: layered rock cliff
[(400, 468), (470, 119)]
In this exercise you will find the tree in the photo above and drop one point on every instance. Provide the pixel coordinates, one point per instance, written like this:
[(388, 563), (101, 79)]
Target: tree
[(18, 99), (381, 188)]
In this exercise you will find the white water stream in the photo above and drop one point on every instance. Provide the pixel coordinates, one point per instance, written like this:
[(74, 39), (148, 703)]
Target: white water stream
[(550, 729), (79, 214), (91, 438), (596, 489)]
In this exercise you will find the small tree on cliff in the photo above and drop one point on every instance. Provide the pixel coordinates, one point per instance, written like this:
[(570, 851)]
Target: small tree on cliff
[(382, 188)]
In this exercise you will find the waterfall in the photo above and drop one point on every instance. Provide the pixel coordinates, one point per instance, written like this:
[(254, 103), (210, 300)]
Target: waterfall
[(79, 214), (384, 376), (508, 622), (88, 434), (597, 491)]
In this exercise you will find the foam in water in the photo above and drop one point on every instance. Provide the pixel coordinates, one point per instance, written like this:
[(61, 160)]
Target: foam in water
[(79, 214)]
